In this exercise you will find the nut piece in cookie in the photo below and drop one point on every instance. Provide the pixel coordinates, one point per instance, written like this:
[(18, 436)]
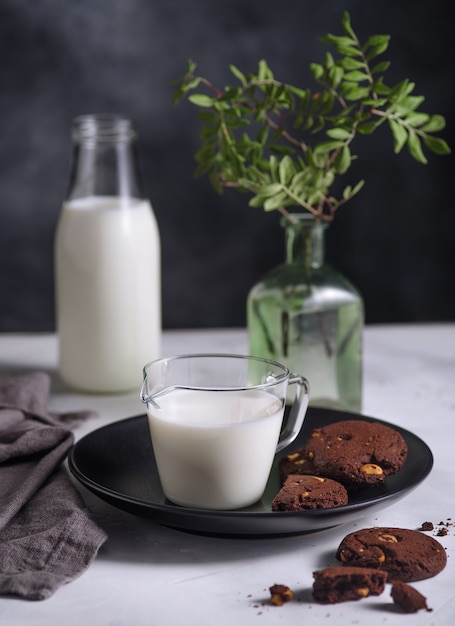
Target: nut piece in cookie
[(357, 453), (309, 492), (408, 598), (339, 584), (407, 555)]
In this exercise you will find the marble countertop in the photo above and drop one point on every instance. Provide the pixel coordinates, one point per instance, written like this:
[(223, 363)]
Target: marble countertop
[(147, 574)]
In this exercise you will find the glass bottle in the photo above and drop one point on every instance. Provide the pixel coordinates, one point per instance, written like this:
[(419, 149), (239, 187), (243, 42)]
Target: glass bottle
[(107, 263), (310, 317)]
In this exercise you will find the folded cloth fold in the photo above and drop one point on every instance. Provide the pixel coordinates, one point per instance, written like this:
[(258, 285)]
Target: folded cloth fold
[(47, 537)]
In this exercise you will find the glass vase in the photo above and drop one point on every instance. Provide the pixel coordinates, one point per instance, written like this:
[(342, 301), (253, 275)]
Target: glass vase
[(309, 317)]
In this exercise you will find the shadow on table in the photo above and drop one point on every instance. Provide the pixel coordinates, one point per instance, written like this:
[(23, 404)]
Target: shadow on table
[(141, 540)]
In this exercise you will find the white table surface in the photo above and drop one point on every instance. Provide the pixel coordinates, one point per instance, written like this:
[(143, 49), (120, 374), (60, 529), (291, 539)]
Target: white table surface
[(146, 574)]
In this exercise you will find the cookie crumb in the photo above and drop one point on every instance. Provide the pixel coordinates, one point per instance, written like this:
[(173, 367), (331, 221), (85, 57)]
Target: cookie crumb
[(408, 598), (280, 594), (427, 526)]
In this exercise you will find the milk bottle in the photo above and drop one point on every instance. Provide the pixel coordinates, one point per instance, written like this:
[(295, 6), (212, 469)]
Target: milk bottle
[(107, 263)]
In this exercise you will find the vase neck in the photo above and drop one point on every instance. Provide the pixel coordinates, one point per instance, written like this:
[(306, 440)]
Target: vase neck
[(304, 240)]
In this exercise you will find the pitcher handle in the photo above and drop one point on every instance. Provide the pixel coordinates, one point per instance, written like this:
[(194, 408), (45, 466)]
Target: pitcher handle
[(297, 414)]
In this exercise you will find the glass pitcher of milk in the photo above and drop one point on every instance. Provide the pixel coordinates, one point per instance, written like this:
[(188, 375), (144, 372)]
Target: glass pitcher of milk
[(107, 263)]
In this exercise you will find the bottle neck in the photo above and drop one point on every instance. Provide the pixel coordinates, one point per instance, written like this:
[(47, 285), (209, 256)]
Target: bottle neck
[(305, 241), (104, 158)]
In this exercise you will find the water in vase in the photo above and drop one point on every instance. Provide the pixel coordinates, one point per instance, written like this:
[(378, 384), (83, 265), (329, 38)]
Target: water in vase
[(317, 333)]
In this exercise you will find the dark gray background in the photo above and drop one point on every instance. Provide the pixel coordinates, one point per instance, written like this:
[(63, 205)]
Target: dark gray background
[(59, 59)]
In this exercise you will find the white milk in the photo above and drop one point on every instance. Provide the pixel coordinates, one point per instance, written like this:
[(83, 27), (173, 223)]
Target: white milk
[(108, 292), (214, 449)]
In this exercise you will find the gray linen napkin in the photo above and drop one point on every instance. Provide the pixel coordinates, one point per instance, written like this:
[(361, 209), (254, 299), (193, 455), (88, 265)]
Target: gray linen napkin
[(47, 537)]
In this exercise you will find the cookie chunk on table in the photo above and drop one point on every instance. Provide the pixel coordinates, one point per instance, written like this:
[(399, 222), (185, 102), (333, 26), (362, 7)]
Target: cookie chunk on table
[(408, 598), (280, 594), (340, 584)]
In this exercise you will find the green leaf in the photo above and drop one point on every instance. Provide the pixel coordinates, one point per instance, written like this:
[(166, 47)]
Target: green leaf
[(260, 115), (274, 166), (201, 100), (380, 67), (348, 63), (323, 103), (350, 193), (230, 93), (263, 134), (356, 76), (309, 122), (329, 61), (351, 91), (264, 72), (309, 160), (314, 198), (358, 187), (411, 103), (346, 23), (415, 148), (339, 40), (417, 119), (347, 192), (191, 84), (400, 135), (275, 202), (282, 150), (380, 88), (434, 124), (376, 44), (301, 181), (301, 93), (270, 190), (436, 145), (374, 102), (286, 170), (377, 40), (402, 89), (343, 160), (335, 75), (317, 70), (327, 146), (343, 45), (339, 133), (256, 201), (238, 74)]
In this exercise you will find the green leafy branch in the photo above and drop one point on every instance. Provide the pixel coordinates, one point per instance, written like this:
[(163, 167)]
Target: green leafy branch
[(286, 145)]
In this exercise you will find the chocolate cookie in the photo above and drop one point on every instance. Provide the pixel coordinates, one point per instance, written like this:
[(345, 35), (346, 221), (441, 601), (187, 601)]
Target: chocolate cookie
[(357, 453), (309, 492), (339, 584), (408, 598), (407, 555), (295, 462)]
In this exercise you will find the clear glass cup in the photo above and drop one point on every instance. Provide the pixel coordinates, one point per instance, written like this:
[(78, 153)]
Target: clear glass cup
[(216, 423)]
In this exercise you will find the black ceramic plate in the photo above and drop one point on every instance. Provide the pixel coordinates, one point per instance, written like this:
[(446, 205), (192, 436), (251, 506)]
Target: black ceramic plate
[(116, 463)]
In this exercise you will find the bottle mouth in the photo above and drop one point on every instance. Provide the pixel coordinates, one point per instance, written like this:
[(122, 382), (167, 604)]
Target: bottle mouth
[(301, 221), (102, 127)]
